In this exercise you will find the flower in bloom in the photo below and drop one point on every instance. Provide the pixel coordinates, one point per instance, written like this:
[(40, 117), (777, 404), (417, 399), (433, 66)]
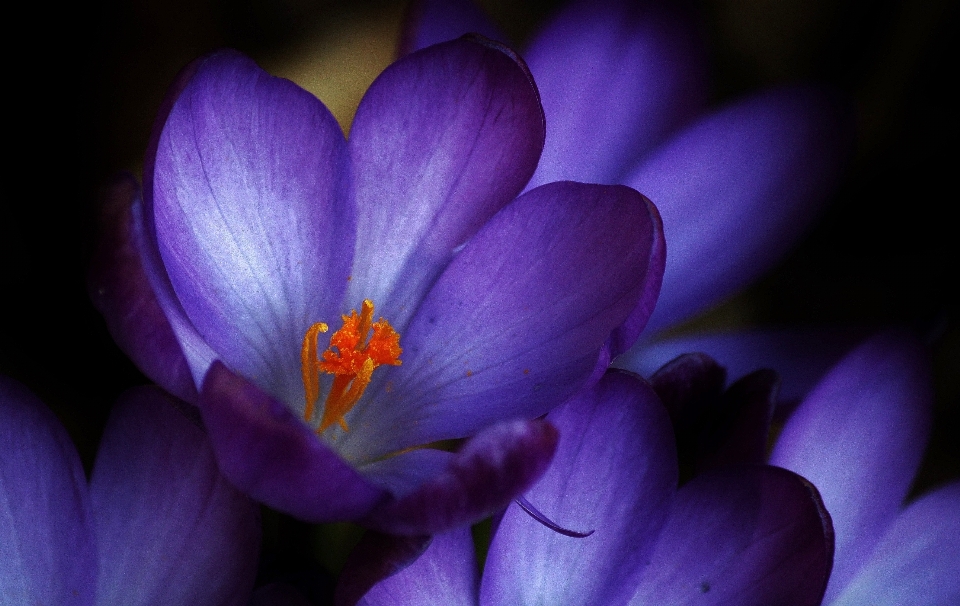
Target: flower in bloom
[(624, 92), (859, 436), (741, 534), (332, 306), (156, 524)]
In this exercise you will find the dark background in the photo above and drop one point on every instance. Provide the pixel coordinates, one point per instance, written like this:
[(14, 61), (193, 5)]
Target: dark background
[(86, 87)]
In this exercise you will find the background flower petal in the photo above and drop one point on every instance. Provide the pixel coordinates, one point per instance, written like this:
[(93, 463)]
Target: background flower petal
[(799, 356), (430, 22), (917, 559), (170, 529), (441, 141), (275, 458), (615, 78), (745, 535), (737, 189), (859, 437), (446, 573), (615, 472), (120, 289), (251, 217), (47, 547), (517, 322), (490, 470)]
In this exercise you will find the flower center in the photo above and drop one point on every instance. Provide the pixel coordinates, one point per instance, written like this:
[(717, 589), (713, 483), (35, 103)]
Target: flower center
[(351, 358)]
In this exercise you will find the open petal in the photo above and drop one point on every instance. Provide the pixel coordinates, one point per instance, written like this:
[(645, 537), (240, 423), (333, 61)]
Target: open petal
[(750, 535), (47, 547), (615, 472), (737, 189), (120, 289), (275, 458), (429, 22), (492, 469), (517, 322), (615, 78), (917, 559), (170, 529), (446, 574), (799, 356), (859, 437), (252, 221), (443, 139)]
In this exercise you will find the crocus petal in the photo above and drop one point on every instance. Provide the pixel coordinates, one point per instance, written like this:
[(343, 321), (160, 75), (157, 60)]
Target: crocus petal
[(686, 384), (251, 217), (492, 469), (403, 473), (47, 550), (516, 323), (615, 77), (429, 22), (859, 437), (274, 457), (443, 139), (799, 356), (170, 529), (446, 574), (737, 189), (120, 289), (615, 472), (916, 561), (742, 426), (751, 536)]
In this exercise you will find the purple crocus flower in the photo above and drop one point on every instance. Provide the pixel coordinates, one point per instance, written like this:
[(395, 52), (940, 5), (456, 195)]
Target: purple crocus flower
[(860, 436), (157, 523), (624, 92), (743, 534), (452, 307)]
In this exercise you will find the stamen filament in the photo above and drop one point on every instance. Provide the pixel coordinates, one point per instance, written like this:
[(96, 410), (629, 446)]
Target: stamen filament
[(535, 513)]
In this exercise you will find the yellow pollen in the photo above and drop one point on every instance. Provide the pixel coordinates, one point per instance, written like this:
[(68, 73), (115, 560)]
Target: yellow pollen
[(356, 349)]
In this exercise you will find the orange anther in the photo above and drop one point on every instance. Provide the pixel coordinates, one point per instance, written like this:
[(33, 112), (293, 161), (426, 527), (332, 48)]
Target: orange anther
[(353, 355)]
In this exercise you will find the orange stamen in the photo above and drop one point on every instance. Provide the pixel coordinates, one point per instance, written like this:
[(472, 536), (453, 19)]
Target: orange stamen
[(353, 355)]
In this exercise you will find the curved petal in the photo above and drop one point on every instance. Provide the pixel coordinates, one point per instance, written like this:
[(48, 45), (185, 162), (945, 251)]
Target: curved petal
[(170, 529), (615, 78), (275, 458), (252, 220), (429, 22), (491, 470), (799, 356), (446, 574), (47, 549), (737, 189), (517, 322), (917, 559), (403, 473), (120, 290), (751, 536), (859, 437), (443, 139), (615, 472)]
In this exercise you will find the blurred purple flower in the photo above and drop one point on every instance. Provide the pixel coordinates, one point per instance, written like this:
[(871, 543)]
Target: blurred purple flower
[(157, 523), (859, 436), (261, 227), (624, 91), (744, 534)]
